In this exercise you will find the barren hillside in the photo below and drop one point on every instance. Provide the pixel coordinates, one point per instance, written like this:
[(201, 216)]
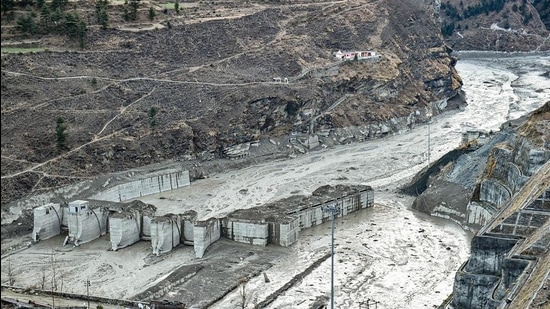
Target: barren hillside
[(211, 83)]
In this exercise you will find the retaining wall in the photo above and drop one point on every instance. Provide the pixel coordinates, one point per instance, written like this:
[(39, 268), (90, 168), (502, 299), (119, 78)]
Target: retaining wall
[(205, 233), (86, 224), (166, 232), (150, 185), (124, 229), (245, 231), (47, 221)]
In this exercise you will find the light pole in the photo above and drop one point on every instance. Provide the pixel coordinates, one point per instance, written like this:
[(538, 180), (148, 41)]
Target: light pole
[(429, 115), (332, 209), (88, 292)]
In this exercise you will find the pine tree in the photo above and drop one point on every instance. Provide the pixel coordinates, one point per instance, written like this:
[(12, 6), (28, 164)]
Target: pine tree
[(151, 13), (61, 134), (152, 120)]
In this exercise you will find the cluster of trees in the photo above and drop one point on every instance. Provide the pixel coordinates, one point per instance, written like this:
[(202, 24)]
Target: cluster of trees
[(484, 7), (53, 17), (56, 17), (130, 10), (101, 11), (455, 14)]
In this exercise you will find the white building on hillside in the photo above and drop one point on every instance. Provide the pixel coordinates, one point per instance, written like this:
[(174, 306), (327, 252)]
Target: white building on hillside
[(359, 55)]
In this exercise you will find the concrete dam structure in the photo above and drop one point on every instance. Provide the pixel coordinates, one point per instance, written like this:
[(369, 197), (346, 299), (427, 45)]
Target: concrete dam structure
[(508, 250), (277, 223), (168, 231), (514, 239), (280, 223), (105, 212), (130, 223), (497, 187)]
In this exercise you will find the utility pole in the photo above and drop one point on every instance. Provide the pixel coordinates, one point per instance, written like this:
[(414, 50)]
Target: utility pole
[(88, 292), (429, 115), (332, 209)]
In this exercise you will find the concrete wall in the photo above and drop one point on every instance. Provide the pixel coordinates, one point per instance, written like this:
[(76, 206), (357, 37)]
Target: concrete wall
[(494, 192), (47, 221), (487, 254), (311, 217), (478, 215), (528, 157), (497, 267), (146, 227), (85, 223), (475, 296), (478, 278), (356, 202), (205, 233), (245, 231), (124, 229), (188, 231), (281, 227), (512, 269), (315, 215), (284, 228), (188, 220), (65, 220), (150, 185), (284, 233), (166, 232)]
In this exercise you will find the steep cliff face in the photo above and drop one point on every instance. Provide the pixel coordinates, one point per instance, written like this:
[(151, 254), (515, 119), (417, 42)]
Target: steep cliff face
[(215, 83)]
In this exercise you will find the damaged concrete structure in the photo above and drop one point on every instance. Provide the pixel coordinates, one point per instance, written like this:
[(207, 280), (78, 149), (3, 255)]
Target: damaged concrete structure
[(505, 253), (86, 222), (152, 184), (128, 223), (205, 233), (125, 229), (285, 218), (188, 220), (166, 232), (277, 223), (47, 221), (245, 230), (280, 222)]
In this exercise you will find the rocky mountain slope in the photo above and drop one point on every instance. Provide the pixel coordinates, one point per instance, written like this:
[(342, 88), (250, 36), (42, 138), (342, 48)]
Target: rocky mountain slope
[(210, 83), (188, 86)]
